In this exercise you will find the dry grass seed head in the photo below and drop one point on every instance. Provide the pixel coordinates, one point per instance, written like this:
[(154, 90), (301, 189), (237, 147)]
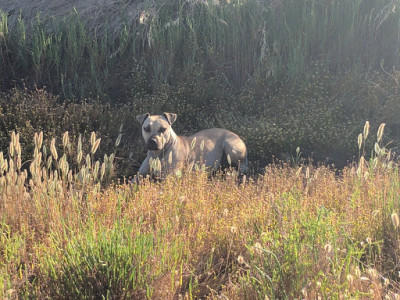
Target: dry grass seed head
[(380, 132), (395, 220), (366, 130)]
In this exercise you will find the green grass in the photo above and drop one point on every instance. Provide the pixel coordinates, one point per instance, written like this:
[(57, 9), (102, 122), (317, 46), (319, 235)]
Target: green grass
[(117, 262)]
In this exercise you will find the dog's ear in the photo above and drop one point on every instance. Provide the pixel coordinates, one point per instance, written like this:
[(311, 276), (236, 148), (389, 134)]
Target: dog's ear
[(170, 117), (141, 118)]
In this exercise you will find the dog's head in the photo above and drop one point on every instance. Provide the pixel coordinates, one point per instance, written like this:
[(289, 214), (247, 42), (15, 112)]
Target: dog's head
[(156, 130)]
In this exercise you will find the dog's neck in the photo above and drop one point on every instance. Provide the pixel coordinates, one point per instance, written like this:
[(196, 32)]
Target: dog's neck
[(172, 140)]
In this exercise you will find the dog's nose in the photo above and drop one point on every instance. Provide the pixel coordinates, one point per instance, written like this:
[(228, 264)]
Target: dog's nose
[(152, 145)]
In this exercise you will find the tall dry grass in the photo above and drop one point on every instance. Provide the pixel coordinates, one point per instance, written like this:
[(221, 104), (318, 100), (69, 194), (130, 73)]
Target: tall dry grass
[(295, 231)]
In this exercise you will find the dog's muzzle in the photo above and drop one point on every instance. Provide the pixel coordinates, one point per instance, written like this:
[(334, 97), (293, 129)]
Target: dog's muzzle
[(152, 144)]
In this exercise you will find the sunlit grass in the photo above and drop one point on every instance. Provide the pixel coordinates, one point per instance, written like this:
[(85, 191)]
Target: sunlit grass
[(295, 231)]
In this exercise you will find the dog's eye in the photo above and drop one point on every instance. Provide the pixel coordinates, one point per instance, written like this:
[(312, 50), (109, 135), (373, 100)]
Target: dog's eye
[(147, 129), (162, 129)]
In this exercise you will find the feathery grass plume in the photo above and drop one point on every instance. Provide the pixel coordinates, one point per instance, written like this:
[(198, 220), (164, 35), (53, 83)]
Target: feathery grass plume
[(70, 176), (44, 151), (35, 140), (49, 162), (79, 157), (95, 146), (360, 141), (64, 166), (118, 141), (13, 137), (361, 166), (35, 152), (79, 150), (380, 132), (155, 166), (19, 158), (378, 150), (92, 138), (298, 172), (53, 149), (103, 170), (228, 158), (88, 161), (202, 145), (17, 148), (395, 219), (40, 140), (1, 162), (11, 150), (366, 130), (96, 170), (65, 139), (11, 166), (111, 159), (193, 143)]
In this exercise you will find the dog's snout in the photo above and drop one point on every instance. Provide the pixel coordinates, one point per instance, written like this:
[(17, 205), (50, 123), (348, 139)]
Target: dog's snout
[(152, 144)]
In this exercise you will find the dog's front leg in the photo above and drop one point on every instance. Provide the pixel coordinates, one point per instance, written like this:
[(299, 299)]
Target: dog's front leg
[(144, 170)]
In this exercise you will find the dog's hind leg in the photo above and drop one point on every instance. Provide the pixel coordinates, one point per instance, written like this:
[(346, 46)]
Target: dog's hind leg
[(235, 148)]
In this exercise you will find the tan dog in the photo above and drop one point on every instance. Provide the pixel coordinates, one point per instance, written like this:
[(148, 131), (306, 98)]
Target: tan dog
[(206, 147)]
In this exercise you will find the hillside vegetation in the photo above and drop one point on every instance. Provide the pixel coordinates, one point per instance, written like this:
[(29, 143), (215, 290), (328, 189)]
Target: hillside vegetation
[(281, 74)]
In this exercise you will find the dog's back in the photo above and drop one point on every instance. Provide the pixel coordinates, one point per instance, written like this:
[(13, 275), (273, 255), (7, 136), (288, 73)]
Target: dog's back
[(211, 144)]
